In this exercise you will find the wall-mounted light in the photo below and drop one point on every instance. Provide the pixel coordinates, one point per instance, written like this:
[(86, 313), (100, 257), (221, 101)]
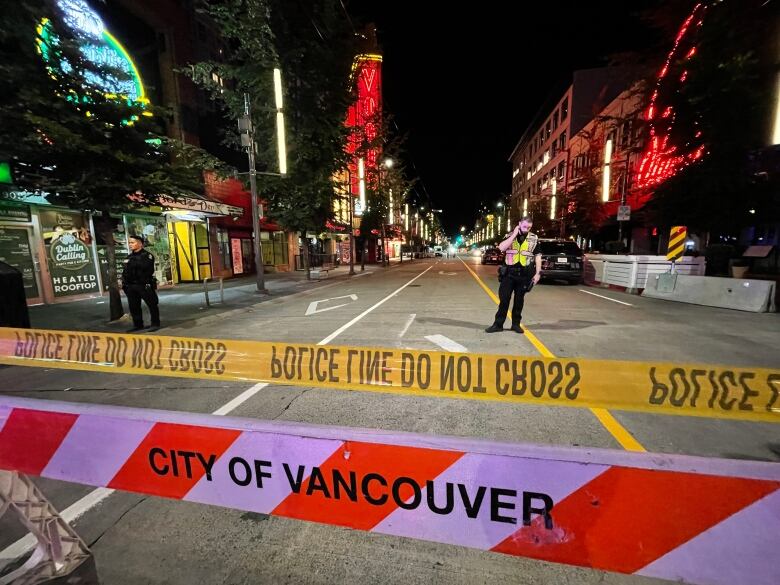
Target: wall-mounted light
[(281, 145), (605, 177)]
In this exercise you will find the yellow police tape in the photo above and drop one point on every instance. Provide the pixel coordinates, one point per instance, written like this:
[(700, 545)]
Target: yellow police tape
[(668, 388)]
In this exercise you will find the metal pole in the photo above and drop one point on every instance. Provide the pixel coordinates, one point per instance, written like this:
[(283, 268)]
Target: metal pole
[(565, 205), (623, 200), (351, 233), (255, 207)]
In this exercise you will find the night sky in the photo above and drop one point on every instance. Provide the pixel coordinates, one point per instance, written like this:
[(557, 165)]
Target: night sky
[(464, 81)]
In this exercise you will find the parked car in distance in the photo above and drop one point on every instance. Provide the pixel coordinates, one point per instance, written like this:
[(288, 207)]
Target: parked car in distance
[(492, 256), (561, 260)]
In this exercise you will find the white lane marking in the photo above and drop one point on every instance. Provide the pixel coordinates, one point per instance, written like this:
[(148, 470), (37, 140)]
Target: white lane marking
[(446, 343), (240, 399), (349, 324), (447, 273), (408, 324), (313, 306), (587, 292), (96, 496)]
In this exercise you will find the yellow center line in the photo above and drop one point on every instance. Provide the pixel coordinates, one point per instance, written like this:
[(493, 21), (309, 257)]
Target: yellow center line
[(618, 431)]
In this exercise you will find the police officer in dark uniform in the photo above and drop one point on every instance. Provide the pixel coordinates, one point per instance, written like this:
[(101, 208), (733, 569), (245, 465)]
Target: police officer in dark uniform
[(521, 270), (139, 283)]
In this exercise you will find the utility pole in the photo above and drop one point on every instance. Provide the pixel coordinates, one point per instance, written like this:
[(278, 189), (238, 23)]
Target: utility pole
[(248, 140), (351, 233)]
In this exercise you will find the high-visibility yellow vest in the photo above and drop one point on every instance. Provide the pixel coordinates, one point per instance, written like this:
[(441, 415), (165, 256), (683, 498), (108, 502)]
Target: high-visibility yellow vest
[(512, 259)]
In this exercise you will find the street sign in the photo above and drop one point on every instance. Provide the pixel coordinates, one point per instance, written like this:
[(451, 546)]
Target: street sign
[(677, 237), (624, 213)]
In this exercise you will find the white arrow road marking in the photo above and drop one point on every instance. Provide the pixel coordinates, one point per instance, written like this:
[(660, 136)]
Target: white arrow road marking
[(408, 324), (446, 343), (314, 304)]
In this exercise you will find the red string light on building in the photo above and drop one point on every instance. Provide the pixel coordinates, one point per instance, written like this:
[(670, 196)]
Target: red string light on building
[(362, 118), (662, 158)]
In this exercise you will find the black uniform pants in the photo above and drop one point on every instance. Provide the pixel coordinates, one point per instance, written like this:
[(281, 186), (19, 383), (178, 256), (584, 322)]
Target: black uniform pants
[(517, 283), (137, 292)]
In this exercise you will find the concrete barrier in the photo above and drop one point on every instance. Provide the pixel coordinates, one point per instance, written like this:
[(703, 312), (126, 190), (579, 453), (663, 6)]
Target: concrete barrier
[(742, 294), (632, 272)]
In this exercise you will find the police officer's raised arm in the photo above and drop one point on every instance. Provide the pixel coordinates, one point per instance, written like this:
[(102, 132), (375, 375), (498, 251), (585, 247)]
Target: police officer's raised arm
[(504, 246)]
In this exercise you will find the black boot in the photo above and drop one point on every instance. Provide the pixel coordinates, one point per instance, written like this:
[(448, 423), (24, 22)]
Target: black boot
[(494, 328), (516, 328)]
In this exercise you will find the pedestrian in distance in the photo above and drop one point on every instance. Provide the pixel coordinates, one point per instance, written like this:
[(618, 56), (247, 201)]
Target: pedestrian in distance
[(139, 284), (520, 272)]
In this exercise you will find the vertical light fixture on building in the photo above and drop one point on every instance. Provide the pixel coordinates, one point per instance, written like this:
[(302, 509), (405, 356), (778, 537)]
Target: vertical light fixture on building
[(554, 200), (362, 184), (406, 217), (605, 176), (525, 206), (390, 211), (776, 129), (281, 145), (508, 223)]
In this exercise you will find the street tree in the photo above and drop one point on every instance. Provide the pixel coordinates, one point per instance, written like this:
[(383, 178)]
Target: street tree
[(314, 47), (72, 141)]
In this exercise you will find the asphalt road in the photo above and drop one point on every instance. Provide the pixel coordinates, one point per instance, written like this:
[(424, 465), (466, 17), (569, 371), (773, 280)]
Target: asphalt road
[(426, 304)]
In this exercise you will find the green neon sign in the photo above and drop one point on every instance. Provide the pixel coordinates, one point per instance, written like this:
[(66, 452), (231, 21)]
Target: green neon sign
[(99, 47)]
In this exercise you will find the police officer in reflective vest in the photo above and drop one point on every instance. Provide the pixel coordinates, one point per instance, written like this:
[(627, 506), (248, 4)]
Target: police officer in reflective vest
[(521, 270), (139, 283)]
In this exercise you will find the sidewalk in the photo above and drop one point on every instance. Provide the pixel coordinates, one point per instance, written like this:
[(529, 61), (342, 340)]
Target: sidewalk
[(186, 302)]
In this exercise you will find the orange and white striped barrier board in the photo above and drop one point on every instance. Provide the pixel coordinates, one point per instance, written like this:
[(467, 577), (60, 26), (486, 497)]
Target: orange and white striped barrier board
[(686, 519), (707, 390)]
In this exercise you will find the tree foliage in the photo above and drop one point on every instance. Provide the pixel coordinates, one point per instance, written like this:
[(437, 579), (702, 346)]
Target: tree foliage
[(314, 47), (70, 141)]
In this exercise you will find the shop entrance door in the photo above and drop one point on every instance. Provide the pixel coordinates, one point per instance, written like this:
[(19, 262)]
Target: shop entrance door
[(16, 250), (190, 244)]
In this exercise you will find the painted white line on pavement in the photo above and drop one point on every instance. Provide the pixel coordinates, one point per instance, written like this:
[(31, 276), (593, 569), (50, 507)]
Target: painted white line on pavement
[(346, 326), (587, 292), (446, 343), (408, 324), (93, 498), (240, 399)]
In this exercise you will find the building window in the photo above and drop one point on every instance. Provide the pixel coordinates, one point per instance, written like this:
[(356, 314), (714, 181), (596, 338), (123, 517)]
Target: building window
[(554, 148), (561, 171), (562, 141), (555, 120), (223, 248), (565, 108), (549, 129), (625, 134)]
